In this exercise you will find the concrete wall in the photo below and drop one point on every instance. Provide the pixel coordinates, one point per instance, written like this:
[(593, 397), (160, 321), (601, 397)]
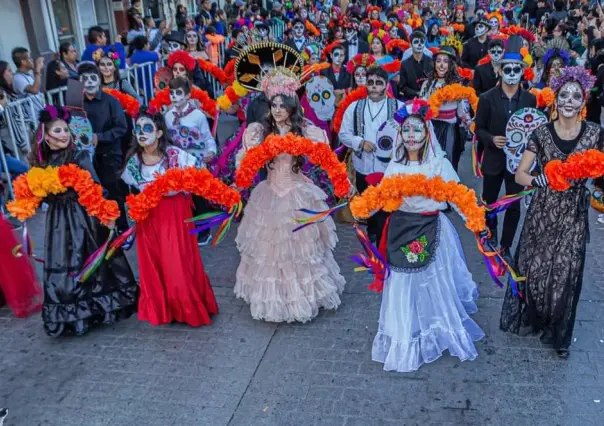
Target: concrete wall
[(12, 29)]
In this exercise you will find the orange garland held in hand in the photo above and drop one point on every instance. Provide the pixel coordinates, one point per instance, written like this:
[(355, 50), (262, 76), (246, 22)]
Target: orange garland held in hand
[(452, 93), (581, 165), (391, 191), (318, 153), (208, 105), (191, 180)]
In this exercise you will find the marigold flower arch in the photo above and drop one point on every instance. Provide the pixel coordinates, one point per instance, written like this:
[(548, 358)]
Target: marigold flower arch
[(452, 93), (389, 194), (194, 181), (32, 187), (317, 153), (208, 105)]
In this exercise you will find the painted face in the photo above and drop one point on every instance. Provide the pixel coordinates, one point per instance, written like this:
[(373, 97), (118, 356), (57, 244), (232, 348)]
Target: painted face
[(441, 65), (303, 14), (299, 30), (241, 39), (192, 38), (360, 76), (339, 34), (376, 46), (178, 97), (494, 24), (58, 135), (570, 99), (480, 29), (375, 15), (278, 110), (91, 82), (324, 30), (413, 133), (393, 32), (351, 34), (376, 87), (179, 70), (107, 67), (337, 57), (434, 30), (418, 44), (145, 131), (459, 15), (496, 53), (173, 46), (512, 73), (263, 32), (555, 67)]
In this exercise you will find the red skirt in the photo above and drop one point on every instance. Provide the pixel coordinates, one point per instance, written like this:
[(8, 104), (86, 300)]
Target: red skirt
[(18, 282), (174, 285)]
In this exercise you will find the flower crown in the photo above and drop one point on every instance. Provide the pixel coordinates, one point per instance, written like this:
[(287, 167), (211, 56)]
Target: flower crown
[(181, 57), (455, 42), (100, 53), (381, 34), (555, 52), (329, 48), (577, 74), (280, 81), (418, 107), (360, 60)]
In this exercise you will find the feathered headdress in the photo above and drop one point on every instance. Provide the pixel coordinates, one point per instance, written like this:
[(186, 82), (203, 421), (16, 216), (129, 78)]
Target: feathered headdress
[(49, 114), (495, 14), (360, 60), (309, 50), (556, 48), (329, 48), (578, 74), (522, 32), (181, 57)]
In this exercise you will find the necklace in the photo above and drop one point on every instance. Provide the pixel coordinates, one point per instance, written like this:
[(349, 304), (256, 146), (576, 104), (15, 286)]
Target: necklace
[(373, 117)]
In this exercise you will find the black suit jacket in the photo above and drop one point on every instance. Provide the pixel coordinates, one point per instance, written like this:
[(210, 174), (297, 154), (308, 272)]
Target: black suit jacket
[(363, 47), (412, 75), (344, 80), (474, 51), (292, 43), (492, 117), (484, 78)]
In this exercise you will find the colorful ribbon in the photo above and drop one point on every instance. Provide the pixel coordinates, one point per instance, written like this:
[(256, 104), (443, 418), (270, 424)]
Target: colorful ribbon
[(497, 266), (119, 242), (476, 161), (27, 246), (372, 261), (206, 221), (316, 216), (505, 202), (94, 260)]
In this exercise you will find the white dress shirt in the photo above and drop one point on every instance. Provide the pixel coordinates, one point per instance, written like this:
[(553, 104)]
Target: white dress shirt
[(353, 49), (367, 163)]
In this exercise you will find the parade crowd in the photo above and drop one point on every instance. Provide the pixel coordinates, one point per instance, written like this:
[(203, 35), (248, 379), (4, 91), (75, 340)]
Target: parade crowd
[(352, 112)]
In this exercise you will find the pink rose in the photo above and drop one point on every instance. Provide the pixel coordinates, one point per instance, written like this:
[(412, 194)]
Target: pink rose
[(416, 247)]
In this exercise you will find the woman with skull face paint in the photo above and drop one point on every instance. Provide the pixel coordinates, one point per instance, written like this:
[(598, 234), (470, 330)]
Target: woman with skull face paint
[(195, 47), (174, 284), (426, 300), (111, 293), (552, 246), (111, 79), (452, 114)]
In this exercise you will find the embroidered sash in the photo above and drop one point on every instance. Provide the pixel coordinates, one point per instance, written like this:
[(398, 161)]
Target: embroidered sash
[(412, 241)]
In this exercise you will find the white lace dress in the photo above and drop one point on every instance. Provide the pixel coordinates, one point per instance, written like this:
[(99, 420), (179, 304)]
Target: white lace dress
[(286, 276), (425, 313)]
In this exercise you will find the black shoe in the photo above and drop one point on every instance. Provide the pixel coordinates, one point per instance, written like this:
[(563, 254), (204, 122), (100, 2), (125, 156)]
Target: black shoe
[(563, 353)]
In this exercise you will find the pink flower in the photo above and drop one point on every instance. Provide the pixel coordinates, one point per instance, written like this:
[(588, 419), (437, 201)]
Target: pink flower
[(416, 247)]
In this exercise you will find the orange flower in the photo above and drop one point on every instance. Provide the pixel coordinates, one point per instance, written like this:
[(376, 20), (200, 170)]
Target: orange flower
[(317, 153), (207, 104), (452, 93), (529, 74), (129, 103), (195, 181), (399, 44), (389, 195), (545, 97), (459, 28), (581, 165), (465, 73), (214, 71)]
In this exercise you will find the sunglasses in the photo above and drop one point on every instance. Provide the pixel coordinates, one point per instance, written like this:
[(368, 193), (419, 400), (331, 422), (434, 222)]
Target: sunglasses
[(509, 70)]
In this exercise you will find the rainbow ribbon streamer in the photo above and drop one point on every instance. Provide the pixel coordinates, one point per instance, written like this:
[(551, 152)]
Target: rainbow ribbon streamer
[(207, 221), (119, 242), (498, 267), (94, 260), (339, 149), (316, 216), (476, 162), (27, 246), (505, 202), (372, 261)]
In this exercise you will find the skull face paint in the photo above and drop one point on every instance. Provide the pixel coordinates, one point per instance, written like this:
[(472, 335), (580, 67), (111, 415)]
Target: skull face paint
[(570, 99), (351, 34), (192, 38), (512, 73), (337, 57), (178, 97), (375, 15), (496, 53), (92, 83), (555, 66), (360, 76), (145, 131), (173, 46), (299, 30), (303, 14), (480, 30), (179, 70), (441, 65), (494, 24), (418, 44), (413, 133), (263, 32)]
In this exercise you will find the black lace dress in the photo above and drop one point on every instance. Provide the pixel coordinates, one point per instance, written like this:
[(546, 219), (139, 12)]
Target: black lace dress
[(111, 293), (551, 251)]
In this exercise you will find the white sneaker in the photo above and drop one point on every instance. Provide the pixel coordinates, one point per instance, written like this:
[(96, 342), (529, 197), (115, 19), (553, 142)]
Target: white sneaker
[(601, 218)]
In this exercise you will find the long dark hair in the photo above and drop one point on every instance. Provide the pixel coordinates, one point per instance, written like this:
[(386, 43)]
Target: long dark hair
[(40, 151), (136, 150), (3, 83), (116, 72), (52, 79), (296, 121), (452, 75)]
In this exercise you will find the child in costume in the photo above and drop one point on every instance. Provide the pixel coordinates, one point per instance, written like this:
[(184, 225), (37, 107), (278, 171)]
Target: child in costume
[(426, 300), (111, 293), (174, 284)]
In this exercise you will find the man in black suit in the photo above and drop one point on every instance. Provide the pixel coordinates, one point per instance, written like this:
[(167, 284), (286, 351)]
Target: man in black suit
[(486, 75), (476, 49), (299, 41), (415, 69), (495, 108), (353, 45)]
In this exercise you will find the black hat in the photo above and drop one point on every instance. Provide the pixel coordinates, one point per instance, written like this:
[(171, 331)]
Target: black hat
[(512, 51), (425, 11), (176, 36), (447, 50)]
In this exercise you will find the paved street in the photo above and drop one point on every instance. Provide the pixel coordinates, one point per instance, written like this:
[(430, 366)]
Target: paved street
[(243, 372)]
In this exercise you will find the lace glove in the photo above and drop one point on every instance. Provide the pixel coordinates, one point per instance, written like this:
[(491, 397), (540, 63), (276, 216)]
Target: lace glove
[(540, 181)]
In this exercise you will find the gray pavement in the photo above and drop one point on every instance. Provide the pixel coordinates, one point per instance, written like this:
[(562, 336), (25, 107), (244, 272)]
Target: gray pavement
[(239, 371)]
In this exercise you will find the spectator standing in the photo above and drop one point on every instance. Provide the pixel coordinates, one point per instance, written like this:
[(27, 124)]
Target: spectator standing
[(24, 83), (181, 17), (136, 26), (143, 54), (111, 79), (56, 77), (215, 40), (559, 13), (98, 40), (204, 19), (69, 57)]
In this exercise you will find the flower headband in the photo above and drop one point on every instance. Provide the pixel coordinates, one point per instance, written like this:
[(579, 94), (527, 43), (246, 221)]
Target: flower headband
[(100, 53), (555, 52), (280, 81), (577, 74), (418, 107), (381, 34)]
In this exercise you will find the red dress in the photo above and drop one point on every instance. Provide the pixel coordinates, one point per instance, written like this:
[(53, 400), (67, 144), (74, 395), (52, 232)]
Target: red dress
[(18, 282)]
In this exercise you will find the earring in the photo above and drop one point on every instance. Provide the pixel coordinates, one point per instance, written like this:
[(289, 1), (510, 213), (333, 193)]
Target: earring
[(554, 114)]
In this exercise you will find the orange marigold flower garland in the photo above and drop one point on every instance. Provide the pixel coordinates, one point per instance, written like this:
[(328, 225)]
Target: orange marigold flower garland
[(545, 97), (216, 72), (355, 95), (318, 153), (191, 180), (207, 104), (31, 188), (452, 93), (581, 165), (399, 44), (391, 191), (129, 103), (459, 28)]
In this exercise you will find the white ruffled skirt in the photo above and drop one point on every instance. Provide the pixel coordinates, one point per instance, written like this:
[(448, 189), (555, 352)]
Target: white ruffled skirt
[(286, 276), (425, 313)]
